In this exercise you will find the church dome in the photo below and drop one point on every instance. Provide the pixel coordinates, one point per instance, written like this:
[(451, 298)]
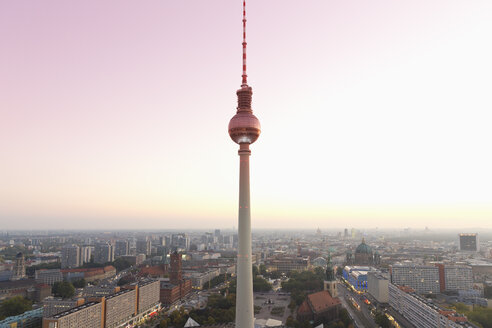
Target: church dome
[(363, 248)]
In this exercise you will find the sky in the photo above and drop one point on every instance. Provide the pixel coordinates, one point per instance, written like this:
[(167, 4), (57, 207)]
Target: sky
[(114, 114)]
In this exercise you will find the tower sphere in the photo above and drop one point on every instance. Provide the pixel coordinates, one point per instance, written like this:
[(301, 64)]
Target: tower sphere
[(244, 127)]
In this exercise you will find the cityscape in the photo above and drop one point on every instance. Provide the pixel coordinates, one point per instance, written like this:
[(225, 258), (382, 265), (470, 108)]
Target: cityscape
[(366, 203), (339, 278)]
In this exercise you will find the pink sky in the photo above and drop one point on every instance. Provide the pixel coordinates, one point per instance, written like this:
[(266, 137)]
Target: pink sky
[(116, 112)]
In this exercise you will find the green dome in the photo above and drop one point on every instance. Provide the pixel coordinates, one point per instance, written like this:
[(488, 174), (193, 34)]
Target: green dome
[(363, 248)]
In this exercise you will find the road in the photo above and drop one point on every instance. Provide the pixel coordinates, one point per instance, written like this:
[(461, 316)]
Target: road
[(361, 317)]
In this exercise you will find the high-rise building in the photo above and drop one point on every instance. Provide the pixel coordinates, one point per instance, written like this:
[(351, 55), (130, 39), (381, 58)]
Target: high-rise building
[(70, 256), (103, 253), (469, 242), (424, 279), (122, 247), (144, 246), (244, 129), (85, 254), (180, 241), (19, 271)]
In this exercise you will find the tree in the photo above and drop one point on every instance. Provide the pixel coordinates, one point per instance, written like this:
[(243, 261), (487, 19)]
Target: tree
[(262, 269), (382, 320), (125, 280), (260, 284), (14, 306), (79, 283), (121, 264), (63, 289), (487, 291)]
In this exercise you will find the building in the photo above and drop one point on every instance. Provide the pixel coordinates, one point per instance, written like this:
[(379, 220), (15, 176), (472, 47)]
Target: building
[(85, 254), (144, 246), (88, 315), (457, 277), (180, 241), (421, 312), (122, 247), (135, 259), (148, 294), (19, 271), (320, 306), (89, 274), (357, 276), (377, 286), (287, 264), (49, 277), (330, 282), (55, 305), (363, 255), (176, 287), (103, 253), (27, 288), (120, 309), (28, 319), (424, 279), (469, 242), (70, 257)]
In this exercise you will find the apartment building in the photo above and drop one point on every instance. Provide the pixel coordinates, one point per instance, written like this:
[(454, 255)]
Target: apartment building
[(424, 279), (421, 312)]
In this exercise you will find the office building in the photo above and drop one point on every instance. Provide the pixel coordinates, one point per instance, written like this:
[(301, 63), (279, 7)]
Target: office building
[(458, 277), (103, 253), (70, 256), (19, 271), (424, 279), (180, 241), (144, 246), (122, 247), (469, 242), (377, 286)]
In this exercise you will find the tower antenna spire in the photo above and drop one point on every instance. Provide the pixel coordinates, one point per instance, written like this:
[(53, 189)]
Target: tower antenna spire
[(245, 76)]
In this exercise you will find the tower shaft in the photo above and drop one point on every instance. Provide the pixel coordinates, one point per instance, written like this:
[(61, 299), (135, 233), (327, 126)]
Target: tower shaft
[(244, 299)]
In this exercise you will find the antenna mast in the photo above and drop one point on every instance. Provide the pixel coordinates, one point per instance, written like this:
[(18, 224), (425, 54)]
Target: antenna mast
[(245, 76)]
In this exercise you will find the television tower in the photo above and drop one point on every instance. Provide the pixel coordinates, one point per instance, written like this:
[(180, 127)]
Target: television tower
[(244, 129)]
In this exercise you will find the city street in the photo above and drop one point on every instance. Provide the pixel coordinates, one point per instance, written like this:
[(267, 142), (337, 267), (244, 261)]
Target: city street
[(361, 317)]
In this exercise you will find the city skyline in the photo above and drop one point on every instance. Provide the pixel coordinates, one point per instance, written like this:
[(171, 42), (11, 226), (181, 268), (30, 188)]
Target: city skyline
[(388, 101)]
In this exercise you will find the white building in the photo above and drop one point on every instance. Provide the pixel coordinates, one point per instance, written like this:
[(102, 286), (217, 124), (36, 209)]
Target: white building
[(377, 286), (423, 278), (421, 312)]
